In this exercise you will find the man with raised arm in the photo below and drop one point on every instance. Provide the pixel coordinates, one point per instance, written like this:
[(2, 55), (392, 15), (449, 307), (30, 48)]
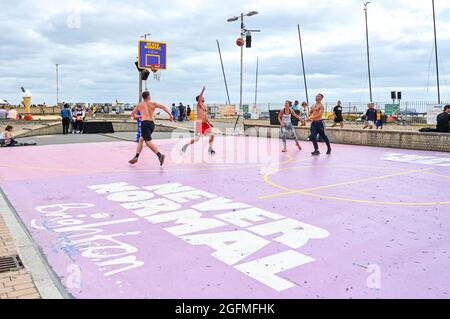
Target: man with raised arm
[(147, 115), (318, 125), (203, 125)]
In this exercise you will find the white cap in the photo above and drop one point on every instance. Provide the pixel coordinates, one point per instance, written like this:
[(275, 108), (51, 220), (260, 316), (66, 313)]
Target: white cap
[(27, 94)]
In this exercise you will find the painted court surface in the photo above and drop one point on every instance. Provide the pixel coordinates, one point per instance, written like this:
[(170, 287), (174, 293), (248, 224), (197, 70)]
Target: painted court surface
[(361, 223)]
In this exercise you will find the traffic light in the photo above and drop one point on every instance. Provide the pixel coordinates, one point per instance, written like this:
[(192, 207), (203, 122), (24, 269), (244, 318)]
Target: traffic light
[(248, 40)]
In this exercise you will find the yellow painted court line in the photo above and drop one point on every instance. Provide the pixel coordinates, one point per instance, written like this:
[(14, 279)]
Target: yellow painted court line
[(412, 204), (290, 191), (308, 191), (435, 174), (370, 179)]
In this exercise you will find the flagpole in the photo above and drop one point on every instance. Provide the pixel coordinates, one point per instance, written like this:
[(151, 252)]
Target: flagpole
[(303, 63), (437, 55)]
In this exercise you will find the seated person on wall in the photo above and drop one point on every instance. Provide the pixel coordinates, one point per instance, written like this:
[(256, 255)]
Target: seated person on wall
[(3, 113), (443, 121), (12, 114), (7, 138)]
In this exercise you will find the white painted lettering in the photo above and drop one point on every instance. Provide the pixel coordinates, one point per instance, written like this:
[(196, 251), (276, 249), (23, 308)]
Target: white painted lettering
[(219, 204), (240, 218), (230, 247), (189, 221), (112, 188), (294, 233), (265, 270), (152, 207)]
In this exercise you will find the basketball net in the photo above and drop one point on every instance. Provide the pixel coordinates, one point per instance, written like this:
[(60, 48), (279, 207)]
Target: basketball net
[(156, 72)]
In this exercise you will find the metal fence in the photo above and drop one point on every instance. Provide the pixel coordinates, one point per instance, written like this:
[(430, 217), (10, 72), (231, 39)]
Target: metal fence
[(409, 107), (411, 112)]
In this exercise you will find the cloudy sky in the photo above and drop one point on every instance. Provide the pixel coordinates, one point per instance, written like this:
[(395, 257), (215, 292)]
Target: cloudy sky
[(95, 42)]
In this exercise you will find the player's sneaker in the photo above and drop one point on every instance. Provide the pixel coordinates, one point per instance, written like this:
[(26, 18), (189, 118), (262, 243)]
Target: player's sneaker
[(161, 159), (134, 161)]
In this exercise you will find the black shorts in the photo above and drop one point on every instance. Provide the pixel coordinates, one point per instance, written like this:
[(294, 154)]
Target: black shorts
[(338, 120), (147, 129)]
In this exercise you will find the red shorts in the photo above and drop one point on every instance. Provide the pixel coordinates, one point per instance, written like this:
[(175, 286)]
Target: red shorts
[(203, 128)]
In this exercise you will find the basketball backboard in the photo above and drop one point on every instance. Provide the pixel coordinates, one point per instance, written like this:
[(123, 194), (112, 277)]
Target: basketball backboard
[(152, 54)]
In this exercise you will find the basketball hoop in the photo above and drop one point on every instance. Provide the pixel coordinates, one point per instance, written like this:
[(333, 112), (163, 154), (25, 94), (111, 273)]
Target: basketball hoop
[(156, 72)]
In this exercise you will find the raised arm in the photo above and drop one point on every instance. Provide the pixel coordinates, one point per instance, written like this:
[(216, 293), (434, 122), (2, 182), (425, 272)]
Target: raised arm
[(165, 109), (202, 93), (200, 103)]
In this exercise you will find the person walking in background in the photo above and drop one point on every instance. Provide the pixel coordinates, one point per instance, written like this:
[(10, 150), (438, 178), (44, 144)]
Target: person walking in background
[(12, 114), (188, 113), (338, 117), (304, 111), (174, 111), (73, 121), (371, 116), (380, 116), (443, 121), (3, 113), (296, 106), (66, 115), (139, 124), (79, 120), (181, 110)]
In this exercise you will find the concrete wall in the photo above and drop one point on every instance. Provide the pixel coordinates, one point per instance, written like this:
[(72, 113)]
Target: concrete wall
[(56, 128), (39, 110), (393, 139)]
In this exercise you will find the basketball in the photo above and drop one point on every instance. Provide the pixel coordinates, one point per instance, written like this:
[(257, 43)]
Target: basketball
[(240, 42)]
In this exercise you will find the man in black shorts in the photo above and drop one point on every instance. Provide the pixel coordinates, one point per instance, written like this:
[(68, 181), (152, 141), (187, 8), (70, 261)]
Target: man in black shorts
[(338, 118), (147, 115)]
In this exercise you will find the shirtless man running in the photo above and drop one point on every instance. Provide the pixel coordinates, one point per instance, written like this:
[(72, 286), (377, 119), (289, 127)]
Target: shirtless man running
[(318, 125), (203, 125), (147, 110)]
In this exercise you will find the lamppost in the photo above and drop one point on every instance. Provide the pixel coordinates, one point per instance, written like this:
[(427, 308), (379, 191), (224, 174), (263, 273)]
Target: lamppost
[(368, 50), (243, 33), (436, 51), (57, 84), (145, 38)]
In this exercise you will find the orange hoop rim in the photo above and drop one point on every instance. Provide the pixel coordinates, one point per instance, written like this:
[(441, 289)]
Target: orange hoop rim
[(155, 67)]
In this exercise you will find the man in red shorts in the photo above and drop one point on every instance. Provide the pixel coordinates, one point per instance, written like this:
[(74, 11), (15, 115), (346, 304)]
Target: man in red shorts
[(203, 125)]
